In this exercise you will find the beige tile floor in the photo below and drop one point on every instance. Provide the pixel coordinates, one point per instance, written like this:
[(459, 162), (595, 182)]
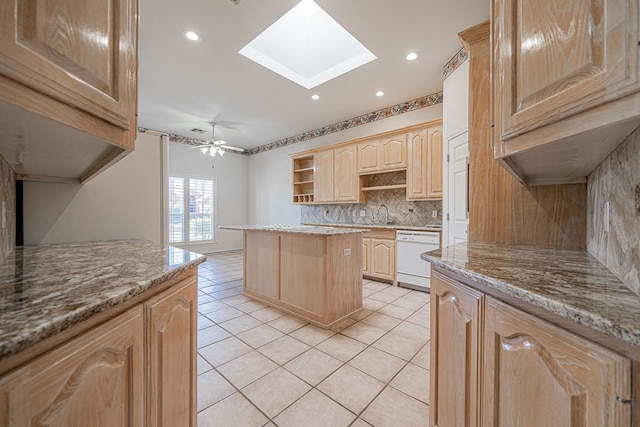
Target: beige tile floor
[(258, 366)]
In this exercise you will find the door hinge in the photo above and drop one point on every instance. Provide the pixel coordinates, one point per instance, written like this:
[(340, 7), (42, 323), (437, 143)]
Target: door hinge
[(447, 217), (447, 158)]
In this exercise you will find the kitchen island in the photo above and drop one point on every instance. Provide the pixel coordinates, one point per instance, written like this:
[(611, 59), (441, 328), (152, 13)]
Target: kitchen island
[(312, 272), (98, 332)]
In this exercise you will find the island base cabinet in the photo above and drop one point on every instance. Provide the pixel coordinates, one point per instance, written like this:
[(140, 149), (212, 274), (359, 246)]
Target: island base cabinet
[(315, 277), (96, 379), (455, 337), (262, 264), (536, 374), (171, 349)]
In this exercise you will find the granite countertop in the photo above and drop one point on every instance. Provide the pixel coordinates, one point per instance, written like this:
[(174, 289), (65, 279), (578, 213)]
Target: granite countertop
[(568, 283), (298, 229), (46, 289), (434, 228)]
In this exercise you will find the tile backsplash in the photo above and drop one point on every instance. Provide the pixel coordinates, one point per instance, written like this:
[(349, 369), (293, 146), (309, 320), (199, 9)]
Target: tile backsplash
[(615, 180), (8, 199), (401, 212)]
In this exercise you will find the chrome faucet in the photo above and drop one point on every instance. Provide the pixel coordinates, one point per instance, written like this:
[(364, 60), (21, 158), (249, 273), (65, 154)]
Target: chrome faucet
[(386, 214)]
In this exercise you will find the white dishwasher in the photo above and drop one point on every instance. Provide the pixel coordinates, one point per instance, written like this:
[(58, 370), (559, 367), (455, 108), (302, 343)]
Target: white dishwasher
[(413, 272)]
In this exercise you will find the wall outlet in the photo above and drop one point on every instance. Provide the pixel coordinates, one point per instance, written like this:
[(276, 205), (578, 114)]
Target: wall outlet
[(363, 213), (353, 213), (347, 252), (434, 214), (607, 216)]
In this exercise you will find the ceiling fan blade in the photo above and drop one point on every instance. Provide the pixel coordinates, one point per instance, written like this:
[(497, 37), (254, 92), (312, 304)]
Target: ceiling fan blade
[(232, 148)]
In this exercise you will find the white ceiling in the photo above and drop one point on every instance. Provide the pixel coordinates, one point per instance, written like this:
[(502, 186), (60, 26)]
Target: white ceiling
[(185, 85)]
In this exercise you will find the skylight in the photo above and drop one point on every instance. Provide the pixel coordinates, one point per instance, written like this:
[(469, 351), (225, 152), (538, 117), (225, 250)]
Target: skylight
[(307, 46)]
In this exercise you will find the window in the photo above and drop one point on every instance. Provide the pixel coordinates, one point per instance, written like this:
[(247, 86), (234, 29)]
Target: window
[(191, 210)]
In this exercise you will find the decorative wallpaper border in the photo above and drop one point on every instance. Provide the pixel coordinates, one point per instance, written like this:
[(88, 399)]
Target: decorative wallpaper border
[(394, 110), (454, 63), (405, 107)]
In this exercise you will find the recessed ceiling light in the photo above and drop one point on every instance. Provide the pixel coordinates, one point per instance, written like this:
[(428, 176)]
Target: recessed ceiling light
[(379, 93), (411, 56), (191, 35), (315, 97)]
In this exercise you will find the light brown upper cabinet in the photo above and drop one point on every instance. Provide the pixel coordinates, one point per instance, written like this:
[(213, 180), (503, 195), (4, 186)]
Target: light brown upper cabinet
[(383, 154), (335, 175), (566, 85), (369, 156), (68, 85), (424, 171), (345, 172), (345, 184), (323, 162), (303, 179), (394, 152)]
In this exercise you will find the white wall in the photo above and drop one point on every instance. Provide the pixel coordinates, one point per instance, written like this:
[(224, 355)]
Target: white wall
[(122, 202), (455, 121), (455, 105), (270, 175), (230, 174)]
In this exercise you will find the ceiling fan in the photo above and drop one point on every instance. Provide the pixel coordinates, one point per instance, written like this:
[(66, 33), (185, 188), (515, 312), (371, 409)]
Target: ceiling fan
[(215, 146)]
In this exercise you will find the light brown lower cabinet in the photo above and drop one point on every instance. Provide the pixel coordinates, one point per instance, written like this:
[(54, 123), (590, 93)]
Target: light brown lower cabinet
[(172, 320), (495, 365), (95, 379), (101, 377), (455, 347), (379, 254)]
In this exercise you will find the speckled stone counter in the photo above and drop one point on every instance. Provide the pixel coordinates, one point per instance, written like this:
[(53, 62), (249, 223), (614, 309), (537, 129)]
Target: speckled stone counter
[(49, 288), (570, 284), (434, 228), (301, 229)]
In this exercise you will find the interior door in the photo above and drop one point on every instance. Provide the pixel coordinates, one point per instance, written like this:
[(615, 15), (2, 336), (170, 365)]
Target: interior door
[(458, 188)]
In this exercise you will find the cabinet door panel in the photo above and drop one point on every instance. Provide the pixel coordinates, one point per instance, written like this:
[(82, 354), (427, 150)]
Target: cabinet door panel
[(366, 256), (383, 259), (369, 156), (323, 162), (345, 185), (394, 152), (81, 53), (172, 355), (555, 58), (417, 166), (455, 343), (95, 379), (538, 374), (262, 266), (434, 164)]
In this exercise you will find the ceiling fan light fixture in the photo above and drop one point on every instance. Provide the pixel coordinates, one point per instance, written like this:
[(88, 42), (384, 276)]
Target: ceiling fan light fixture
[(204, 150)]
